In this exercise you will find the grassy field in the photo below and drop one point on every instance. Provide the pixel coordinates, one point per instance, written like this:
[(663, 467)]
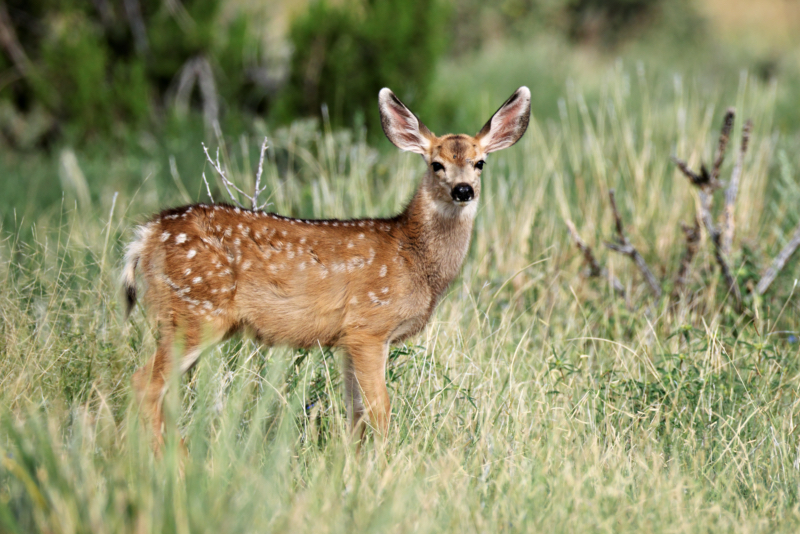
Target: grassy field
[(536, 399)]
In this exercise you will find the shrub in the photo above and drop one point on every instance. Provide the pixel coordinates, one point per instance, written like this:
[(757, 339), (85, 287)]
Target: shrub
[(344, 54)]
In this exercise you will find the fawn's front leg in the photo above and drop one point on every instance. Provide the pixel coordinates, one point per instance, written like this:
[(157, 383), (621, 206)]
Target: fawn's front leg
[(365, 385)]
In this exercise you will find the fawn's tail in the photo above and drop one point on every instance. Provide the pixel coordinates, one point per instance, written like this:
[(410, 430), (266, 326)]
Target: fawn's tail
[(132, 256)]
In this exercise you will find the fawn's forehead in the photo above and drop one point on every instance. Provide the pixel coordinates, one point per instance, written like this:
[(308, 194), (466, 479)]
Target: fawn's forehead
[(458, 148)]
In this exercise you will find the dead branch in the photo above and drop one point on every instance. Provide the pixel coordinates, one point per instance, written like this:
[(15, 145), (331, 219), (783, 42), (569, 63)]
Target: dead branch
[(594, 267), (623, 246), (729, 222), (138, 29), (704, 191), (257, 190), (197, 71), (10, 43), (779, 262), (713, 233), (692, 236), (707, 183), (724, 137), (230, 187)]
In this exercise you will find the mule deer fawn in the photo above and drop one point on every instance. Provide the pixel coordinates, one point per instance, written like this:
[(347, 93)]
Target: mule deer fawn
[(361, 284)]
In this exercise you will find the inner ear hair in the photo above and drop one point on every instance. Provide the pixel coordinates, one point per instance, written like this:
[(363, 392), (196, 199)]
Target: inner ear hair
[(401, 126), (508, 123)]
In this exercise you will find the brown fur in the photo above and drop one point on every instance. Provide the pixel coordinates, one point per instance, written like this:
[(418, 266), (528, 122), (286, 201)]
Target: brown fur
[(214, 270)]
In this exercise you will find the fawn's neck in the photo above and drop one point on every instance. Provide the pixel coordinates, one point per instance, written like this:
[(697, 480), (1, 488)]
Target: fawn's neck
[(440, 234)]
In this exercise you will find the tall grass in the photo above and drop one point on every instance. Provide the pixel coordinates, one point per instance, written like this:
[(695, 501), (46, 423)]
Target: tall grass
[(536, 400)]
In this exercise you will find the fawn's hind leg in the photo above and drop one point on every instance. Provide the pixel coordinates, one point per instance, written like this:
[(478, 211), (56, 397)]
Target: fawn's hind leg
[(150, 381)]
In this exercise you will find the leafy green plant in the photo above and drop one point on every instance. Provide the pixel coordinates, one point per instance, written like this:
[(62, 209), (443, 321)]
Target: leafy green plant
[(345, 53)]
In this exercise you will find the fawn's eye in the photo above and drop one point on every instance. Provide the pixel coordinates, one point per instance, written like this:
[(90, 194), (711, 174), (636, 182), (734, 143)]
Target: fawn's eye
[(480, 164), (436, 166)]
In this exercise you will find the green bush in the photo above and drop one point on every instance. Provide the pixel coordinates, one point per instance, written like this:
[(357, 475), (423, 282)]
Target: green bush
[(344, 54), (94, 68)]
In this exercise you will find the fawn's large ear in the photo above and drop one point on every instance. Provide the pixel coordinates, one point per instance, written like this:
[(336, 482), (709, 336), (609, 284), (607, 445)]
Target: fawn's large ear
[(401, 126), (508, 123)]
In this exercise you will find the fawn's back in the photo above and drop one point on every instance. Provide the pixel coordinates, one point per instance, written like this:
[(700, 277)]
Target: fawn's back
[(218, 269)]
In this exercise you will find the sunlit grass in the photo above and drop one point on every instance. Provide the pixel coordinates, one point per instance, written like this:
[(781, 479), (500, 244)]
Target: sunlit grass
[(536, 400)]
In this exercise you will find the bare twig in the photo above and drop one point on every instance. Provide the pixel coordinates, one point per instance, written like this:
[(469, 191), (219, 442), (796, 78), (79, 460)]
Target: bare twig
[(689, 173), (707, 183), (692, 236), (230, 187), (257, 190), (713, 232), (134, 13), (225, 181), (208, 189), (197, 71), (10, 43), (779, 262), (623, 246), (729, 223), (594, 267), (724, 137)]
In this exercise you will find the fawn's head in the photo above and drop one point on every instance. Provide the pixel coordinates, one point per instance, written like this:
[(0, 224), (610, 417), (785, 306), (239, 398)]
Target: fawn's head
[(455, 161)]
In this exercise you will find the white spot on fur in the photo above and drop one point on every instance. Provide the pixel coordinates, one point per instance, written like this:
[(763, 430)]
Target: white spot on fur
[(350, 244), (246, 265), (187, 272), (165, 236), (180, 238), (192, 253), (383, 271), (237, 210), (302, 240), (361, 236), (385, 290), (197, 279), (283, 233)]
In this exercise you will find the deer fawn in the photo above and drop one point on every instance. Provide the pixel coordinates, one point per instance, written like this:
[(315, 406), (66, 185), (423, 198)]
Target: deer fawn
[(362, 284)]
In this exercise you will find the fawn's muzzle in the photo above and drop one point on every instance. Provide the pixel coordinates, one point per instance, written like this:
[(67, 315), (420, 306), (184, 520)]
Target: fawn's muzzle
[(462, 193)]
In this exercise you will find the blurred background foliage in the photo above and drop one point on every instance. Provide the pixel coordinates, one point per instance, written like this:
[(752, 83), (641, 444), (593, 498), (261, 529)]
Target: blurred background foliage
[(78, 71)]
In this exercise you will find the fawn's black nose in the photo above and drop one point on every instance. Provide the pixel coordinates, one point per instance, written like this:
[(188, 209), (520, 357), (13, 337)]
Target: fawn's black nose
[(462, 193)]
